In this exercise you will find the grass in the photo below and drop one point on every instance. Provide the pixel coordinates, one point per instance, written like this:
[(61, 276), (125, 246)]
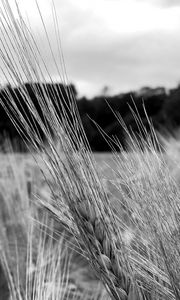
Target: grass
[(130, 240)]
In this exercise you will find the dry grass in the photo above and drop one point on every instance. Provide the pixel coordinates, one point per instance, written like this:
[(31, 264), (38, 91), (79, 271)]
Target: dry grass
[(132, 243)]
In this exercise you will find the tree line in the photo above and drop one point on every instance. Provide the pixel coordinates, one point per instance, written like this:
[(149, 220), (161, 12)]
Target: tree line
[(101, 115)]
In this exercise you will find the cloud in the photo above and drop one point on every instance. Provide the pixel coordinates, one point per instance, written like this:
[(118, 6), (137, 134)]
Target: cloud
[(169, 3), (98, 54), (127, 55), (132, 63), (163, 3), (123, 64)]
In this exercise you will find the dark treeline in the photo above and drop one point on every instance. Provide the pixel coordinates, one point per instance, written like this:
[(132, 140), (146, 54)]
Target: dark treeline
[(162, 107)]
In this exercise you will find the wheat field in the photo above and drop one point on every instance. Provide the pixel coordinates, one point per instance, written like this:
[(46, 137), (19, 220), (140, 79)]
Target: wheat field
[(75, 225)]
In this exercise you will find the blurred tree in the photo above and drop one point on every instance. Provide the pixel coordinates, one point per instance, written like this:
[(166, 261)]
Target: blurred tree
[(105, 91)]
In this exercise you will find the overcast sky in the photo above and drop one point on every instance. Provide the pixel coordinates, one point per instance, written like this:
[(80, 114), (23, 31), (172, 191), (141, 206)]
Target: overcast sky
[(124, 44)]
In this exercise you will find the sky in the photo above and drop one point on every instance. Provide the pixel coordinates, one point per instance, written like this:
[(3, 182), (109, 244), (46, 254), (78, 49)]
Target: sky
[(121, 44)]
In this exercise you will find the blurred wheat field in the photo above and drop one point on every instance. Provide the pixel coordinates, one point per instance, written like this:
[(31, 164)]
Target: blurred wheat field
[(21, 181)]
